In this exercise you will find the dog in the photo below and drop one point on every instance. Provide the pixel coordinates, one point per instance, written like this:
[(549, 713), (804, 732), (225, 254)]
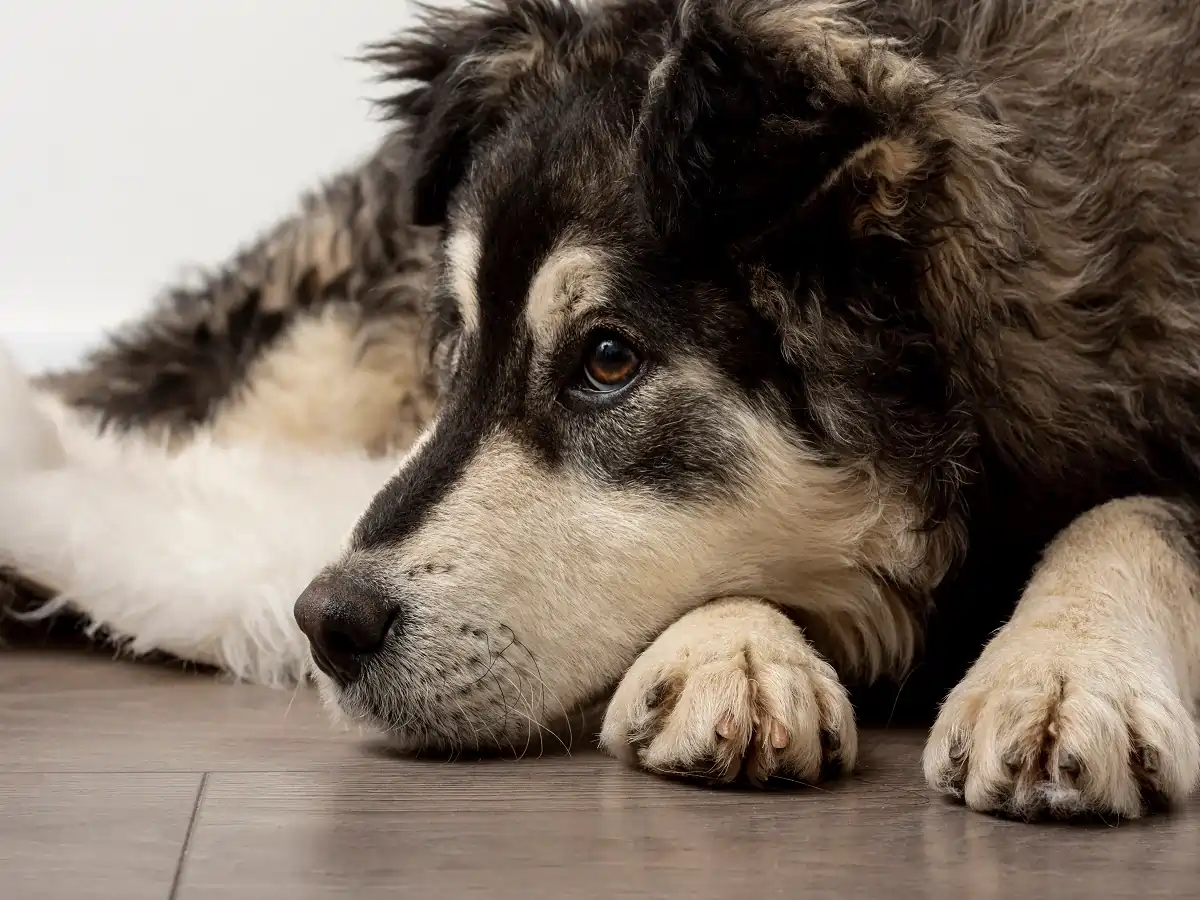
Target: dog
[(733, 353)]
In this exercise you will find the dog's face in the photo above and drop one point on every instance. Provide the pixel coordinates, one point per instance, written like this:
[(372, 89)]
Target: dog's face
[(683, 352)]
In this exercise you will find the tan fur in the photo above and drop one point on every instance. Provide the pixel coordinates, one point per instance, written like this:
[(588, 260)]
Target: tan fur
[(461, 263), (316, 246), (566, 286), (828, 526), (330, 386), (1088, 694), (887, 166), (733, 687), (516, 552), (498, 71)]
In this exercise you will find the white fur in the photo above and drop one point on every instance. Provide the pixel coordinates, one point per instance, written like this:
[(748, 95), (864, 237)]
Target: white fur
[(199, 552), (29, 440)]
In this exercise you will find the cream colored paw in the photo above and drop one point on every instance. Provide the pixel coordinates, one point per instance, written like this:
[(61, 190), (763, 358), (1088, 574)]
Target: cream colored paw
[(732, 688), (1038, 729)]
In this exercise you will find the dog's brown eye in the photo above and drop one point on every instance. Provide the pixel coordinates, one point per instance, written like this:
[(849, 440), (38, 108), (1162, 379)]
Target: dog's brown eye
[(610, 363)]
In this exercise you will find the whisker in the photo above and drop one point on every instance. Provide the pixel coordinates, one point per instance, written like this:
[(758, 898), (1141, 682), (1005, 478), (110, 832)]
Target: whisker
[(528, 730), (542, 683), (541, 728), (807, 784), (465, 720), (896, 702), (495, 659), (292, 700), (504, 727)]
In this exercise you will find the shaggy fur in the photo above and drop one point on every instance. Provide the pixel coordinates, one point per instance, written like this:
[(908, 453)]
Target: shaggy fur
[(910, 294)]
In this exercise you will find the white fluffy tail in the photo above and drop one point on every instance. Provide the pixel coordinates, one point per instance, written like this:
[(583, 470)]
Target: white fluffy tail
[(28, 439), (199, 552)]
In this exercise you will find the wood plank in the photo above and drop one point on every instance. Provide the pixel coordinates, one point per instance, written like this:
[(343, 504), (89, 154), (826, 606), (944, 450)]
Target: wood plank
[(140, 717), (583, 828), (109, 837), (297, 809)]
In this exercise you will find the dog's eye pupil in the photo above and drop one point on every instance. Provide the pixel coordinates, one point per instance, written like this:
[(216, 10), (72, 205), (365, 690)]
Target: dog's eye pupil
[(610, 363)]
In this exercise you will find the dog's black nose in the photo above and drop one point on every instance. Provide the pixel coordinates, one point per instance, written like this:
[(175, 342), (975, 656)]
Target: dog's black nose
[(344, 622)]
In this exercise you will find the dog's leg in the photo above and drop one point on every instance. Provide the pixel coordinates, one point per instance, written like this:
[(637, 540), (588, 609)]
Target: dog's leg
[(1084, 701), (732, 687), (199, 553)]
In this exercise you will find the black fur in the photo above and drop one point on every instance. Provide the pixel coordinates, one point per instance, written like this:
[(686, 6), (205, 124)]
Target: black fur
[(725, 174), (971, 272)]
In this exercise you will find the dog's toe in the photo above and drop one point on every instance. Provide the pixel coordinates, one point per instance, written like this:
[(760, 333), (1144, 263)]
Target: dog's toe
[(1034, 735), (759, 706)]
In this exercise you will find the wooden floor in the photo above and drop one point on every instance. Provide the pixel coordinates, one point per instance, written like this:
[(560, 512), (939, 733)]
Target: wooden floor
[(122, 780)]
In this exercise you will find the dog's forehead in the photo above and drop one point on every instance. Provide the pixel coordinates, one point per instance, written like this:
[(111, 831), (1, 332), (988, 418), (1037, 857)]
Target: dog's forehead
[(543, 264), (546, 207), (571, 279)]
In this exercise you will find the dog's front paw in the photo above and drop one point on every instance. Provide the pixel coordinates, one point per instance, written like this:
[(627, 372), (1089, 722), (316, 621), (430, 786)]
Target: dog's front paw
[(732, 688), (1038, 729)]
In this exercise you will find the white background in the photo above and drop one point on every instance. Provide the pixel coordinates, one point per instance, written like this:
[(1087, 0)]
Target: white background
[(141, 137)]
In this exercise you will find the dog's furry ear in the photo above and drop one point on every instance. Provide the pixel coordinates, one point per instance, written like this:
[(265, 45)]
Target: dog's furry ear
[(762, 111), (462, 68)]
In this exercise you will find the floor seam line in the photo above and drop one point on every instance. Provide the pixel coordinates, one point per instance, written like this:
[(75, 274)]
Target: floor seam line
[(187, 837)]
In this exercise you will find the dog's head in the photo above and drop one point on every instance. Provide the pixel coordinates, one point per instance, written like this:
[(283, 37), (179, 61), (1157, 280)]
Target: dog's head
[(696, 328)]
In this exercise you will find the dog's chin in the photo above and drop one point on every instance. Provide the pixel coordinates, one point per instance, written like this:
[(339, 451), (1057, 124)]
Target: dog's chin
[(347, 708), (429, 734)]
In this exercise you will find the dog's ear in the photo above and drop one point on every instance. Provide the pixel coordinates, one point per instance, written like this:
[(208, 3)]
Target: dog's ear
[(461, 68), (864, 199), (764, 111)]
